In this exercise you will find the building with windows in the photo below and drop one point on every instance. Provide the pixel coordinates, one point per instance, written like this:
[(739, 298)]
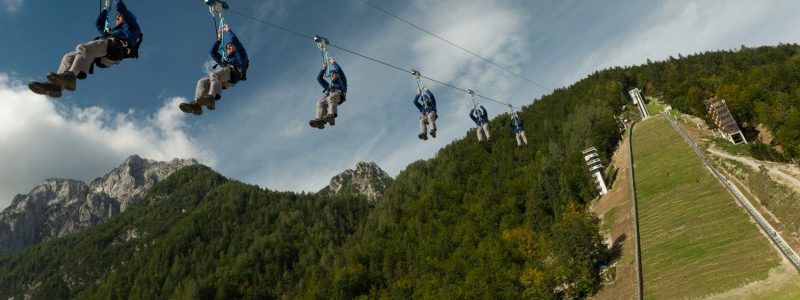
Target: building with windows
[(596, 169)]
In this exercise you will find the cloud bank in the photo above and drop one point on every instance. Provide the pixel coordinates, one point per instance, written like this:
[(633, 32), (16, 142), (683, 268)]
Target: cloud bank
[(12, 6), (42, 138)]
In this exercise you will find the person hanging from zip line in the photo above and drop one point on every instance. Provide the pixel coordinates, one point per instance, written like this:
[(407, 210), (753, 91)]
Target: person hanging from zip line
[(229, 70), (426, 107), (117, 43), (335, 94), (479, 115), (518, 129)]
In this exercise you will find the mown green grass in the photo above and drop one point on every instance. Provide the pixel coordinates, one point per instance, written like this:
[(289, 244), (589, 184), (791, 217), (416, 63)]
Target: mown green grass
[(695, 240), (654, 107)]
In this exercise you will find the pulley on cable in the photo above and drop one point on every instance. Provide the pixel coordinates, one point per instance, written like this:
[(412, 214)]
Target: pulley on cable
[(217, 8)]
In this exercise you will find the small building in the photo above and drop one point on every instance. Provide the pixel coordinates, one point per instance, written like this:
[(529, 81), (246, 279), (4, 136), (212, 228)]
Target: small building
[(595, 168), (723, 119), (636, 95)]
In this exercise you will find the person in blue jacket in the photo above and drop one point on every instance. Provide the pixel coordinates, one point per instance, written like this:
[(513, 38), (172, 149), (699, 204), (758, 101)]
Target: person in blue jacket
[(519, 130), (479, 115), (120, 42), (228, 71), (335, 94), (426, 107)]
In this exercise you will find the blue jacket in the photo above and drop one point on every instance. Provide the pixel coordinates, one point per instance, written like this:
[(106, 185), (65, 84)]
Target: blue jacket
[(516, 124), (339, 85), (479, 116), (237, 59), (128, 31), (425, 106)]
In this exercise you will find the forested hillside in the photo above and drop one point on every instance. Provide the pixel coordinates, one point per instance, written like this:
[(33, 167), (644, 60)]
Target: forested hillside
[(760, 86), (477, 221), (196, 236)]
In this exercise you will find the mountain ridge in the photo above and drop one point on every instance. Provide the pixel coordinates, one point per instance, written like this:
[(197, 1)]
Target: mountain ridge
[(59, 207)]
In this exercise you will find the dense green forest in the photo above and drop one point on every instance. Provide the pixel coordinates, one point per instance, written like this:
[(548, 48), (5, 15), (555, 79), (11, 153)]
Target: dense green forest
[(477, 221)]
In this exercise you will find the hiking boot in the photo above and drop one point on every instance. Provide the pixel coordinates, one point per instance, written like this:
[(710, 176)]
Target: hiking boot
[(316, 123), (45, 88), (433, 133), (207, 101), (330, 119), (423, 136), (193, 107), (66, 80), (217, 97)]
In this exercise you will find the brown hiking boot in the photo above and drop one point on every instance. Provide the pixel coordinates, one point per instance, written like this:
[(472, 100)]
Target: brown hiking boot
[(193, 107), (316, 123), (330, 119), (208, 102), (68, 80), (45, 88)]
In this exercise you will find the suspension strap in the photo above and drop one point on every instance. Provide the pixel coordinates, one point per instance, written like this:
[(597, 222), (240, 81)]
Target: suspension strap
[(322, 44), (418, 78), (472, 96), (511, 109), (106, 5), (216, 8), (222, 38)]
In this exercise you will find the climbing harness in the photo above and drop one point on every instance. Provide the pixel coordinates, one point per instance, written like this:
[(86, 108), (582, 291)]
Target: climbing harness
[(217, 8), (322, 44)]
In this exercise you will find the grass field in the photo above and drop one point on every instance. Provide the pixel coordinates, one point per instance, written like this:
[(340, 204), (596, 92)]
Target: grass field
[(695, 240)]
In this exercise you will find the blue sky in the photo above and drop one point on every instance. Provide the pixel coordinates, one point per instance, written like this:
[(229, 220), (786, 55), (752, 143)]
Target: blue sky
[(259, 132)]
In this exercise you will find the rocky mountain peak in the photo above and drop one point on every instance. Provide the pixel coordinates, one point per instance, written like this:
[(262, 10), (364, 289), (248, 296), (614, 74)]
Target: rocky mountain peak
[(58, 207), (134, 177), (367, 179)]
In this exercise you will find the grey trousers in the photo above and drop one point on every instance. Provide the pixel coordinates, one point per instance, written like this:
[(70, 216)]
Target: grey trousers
[(521, 138), (81, 59), (483, 129), (327, 105), (424, 120), (212, 84)]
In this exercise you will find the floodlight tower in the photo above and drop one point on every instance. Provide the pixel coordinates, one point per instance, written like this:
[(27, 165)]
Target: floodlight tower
[(595, 168)]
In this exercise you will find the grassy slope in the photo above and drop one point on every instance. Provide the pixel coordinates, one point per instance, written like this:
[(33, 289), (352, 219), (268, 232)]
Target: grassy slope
[(695, 239)]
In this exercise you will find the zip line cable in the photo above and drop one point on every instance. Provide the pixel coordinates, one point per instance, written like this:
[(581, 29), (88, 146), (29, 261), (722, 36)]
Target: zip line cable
[(377, 7), (309, 37)]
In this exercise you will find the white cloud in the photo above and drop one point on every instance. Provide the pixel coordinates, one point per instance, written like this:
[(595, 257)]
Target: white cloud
[(41, 138), (12, 6)]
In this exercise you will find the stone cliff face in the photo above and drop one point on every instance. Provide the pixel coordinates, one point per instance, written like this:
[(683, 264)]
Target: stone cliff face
[(367, 180), (59, 207)]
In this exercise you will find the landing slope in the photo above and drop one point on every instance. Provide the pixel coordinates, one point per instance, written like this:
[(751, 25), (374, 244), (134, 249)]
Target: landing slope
[(695, 240)]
